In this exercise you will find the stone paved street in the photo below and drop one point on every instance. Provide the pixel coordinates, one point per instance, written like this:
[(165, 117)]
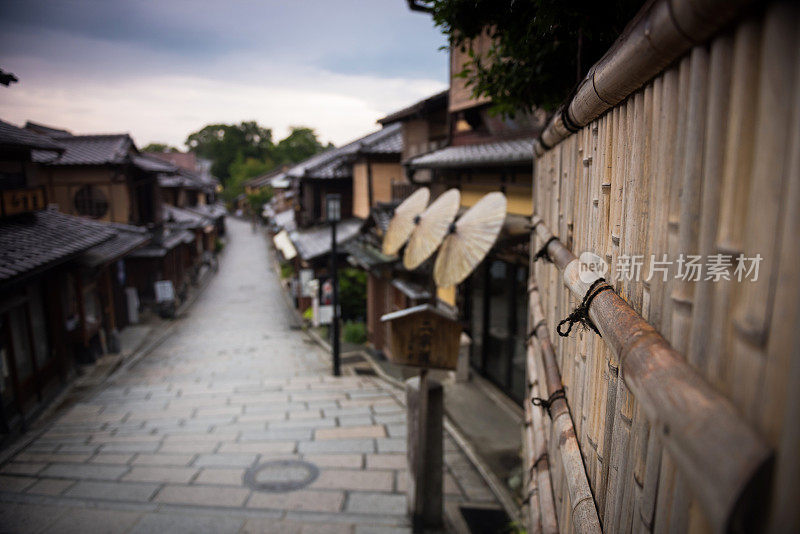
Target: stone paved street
[(166, 445)]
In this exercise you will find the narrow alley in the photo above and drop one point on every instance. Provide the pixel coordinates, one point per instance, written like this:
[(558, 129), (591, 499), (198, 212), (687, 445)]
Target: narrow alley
[(233, 424)]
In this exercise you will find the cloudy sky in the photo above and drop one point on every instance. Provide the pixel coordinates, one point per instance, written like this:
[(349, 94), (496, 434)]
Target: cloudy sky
[(162, 69)]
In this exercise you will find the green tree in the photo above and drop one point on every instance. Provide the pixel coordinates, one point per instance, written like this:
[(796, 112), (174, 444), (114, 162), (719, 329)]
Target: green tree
[(299, 145), (224, 143), (541, 48), (159, 147), (242, 170)]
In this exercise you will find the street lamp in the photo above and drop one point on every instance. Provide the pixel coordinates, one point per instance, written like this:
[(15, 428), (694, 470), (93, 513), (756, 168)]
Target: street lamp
[(333, 214)]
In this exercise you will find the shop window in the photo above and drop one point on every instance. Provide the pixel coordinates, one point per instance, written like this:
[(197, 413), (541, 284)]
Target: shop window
[(90, 201)]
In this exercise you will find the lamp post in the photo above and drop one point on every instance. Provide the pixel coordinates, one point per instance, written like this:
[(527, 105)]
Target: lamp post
[(333, 213)]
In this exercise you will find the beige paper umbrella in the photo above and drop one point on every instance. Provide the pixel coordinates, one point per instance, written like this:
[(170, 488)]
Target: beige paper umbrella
[(404, 220), (431, 229), (473, 235)]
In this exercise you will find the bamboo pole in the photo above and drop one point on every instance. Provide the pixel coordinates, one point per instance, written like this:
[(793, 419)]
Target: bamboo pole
[(539, 461), (660, 33), (583, 511), (696, 423)]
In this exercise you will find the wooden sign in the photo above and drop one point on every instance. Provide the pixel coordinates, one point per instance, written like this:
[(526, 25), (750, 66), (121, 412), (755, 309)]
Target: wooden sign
[(16, 201), (424, 336)]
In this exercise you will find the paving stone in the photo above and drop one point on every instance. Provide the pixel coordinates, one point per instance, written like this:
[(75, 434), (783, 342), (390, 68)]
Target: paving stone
[(86, 521), (111, 458), (344, 446), (277, 435), (325, 528), (388, 418), (175, 475), (180, 460), (130, 447), (355, 420), (376, 503), (222, 476), (309, 501), (351, 479), (225, 460), (50, 486), (200, 438), (387, 461), (51, 458), (188, 447), (22, 468), (15, 484), (349, 461), (115, 491), (301, 423), (260, 447), (396, 430), (351, 432), (26, 518), (194, 523), (391, 445), (88, 471), (203, 495), (270, 526), (78, 448)]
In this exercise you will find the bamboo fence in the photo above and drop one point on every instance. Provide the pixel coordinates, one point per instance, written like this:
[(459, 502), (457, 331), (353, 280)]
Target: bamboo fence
[(686, 409)]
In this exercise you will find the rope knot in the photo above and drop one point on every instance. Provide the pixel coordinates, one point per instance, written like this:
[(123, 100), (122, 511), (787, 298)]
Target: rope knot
[(542, 254), (548, 402), (580, 315)]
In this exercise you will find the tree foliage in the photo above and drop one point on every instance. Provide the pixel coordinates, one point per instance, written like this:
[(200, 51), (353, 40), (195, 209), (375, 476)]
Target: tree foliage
[(353, 293), (300, 144), (224, 143), (159, 147), (541, 48), (241, 151)]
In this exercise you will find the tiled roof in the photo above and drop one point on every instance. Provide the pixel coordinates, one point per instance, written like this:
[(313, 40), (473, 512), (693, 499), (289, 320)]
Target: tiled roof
[(188, 179), (516, 152), (214, 211), (285, 219), (38, 240), (335, 162), (392, 143), (90, 150), (151, 164), (427, 105), (14, 137), (364, 254), (184, 219), (316, 241), (159, 247), (127, 239), (49, 131)]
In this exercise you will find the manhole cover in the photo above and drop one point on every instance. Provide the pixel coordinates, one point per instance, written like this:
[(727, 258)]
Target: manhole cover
[(280, 476)]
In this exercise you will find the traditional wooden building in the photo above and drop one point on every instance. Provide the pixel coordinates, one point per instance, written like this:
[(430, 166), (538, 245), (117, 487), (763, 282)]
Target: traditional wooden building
[(43, 317)]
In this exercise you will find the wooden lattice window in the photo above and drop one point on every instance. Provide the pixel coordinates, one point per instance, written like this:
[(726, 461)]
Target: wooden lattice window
[(91, 201)]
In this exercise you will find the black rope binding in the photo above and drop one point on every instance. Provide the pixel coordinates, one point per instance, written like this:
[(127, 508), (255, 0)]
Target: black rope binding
[(580, 315), (542, 254), (548, 402)]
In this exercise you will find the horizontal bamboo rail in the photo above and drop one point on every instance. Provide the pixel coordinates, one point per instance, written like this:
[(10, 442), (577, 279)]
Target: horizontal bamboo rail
[(583, 510), (724, 461), (653, 40)]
